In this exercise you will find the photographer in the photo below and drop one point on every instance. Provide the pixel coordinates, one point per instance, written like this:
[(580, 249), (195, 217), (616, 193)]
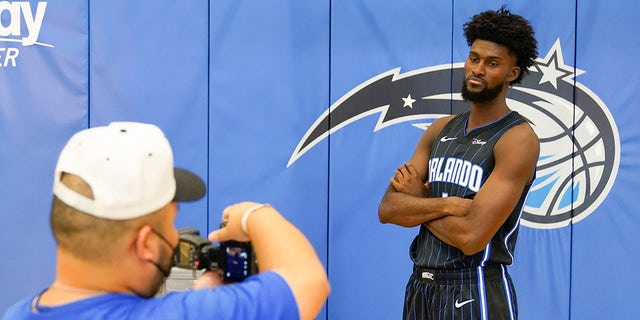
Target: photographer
[(113, 213)]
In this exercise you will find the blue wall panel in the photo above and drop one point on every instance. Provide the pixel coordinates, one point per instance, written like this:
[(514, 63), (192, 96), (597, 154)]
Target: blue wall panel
[(369, 262), (605, 257), (268, 80), (150, 65), (43, 100)]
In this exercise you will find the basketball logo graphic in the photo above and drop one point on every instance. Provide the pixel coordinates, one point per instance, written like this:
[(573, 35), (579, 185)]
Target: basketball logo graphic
[(579, 143), (579, 140)]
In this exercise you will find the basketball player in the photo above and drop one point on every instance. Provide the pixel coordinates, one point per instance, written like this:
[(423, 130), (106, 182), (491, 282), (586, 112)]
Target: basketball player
[(467, 181)]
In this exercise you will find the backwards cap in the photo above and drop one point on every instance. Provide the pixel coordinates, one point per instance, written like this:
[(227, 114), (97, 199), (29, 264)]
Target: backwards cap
[(129, 167)]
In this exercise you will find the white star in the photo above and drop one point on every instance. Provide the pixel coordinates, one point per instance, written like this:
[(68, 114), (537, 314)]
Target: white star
[(408, 102), (553, 67), (550, 73)]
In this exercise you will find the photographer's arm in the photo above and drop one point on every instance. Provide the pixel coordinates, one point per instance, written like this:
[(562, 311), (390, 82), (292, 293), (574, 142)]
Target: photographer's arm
[(282, 248)]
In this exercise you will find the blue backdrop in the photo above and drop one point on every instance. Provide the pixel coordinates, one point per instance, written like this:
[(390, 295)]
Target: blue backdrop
[(311, 106)]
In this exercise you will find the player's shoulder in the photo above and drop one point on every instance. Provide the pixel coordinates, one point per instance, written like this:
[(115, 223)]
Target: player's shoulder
[(523, 126), (520, 138), (440, 123), (522, 132), (446, 119), (432, 132)]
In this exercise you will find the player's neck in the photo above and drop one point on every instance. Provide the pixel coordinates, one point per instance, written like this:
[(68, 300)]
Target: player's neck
[(487, 112)]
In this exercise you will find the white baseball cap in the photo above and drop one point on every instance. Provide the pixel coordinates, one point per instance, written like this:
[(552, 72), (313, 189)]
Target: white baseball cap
[(129, 167)]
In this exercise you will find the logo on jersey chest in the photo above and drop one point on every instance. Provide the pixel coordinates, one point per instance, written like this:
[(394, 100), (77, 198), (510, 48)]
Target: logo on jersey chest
[(460, 172)]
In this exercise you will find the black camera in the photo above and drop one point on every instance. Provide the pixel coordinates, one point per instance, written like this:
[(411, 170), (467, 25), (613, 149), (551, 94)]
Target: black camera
[(236, 259)]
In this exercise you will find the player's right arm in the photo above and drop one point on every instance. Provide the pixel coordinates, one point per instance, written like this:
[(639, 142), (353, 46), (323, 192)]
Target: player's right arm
[(405, 203)]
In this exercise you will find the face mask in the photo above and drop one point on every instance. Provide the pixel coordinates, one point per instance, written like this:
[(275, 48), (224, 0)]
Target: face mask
[(173, 250)]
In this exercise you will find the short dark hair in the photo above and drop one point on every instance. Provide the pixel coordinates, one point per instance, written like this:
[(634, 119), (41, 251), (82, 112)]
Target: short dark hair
[(507, 29), (88, 237)]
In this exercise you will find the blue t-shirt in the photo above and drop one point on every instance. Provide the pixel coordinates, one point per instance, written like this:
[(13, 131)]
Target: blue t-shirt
[(263, 296)]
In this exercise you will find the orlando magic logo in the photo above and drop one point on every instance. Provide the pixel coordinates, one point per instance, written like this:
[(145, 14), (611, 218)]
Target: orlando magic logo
[(579, 141)]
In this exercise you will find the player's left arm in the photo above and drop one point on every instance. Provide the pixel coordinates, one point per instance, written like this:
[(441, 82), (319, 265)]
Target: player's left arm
[(516, 155)]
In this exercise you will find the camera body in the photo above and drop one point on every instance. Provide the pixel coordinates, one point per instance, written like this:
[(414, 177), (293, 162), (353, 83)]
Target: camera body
[(235, 259)]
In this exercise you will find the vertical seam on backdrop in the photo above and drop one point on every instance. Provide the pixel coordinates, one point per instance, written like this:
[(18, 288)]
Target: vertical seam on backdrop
[(451, 59), (208, 110), (329, 150), (573, 156)]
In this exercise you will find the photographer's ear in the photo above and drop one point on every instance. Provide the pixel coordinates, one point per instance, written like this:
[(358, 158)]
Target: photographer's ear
[(143, 246)]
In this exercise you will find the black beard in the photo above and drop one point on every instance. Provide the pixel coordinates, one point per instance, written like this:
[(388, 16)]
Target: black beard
[(487, 94)]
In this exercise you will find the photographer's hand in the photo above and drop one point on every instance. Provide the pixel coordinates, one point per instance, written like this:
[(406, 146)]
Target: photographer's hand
[(232, 219), (281, 248)]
